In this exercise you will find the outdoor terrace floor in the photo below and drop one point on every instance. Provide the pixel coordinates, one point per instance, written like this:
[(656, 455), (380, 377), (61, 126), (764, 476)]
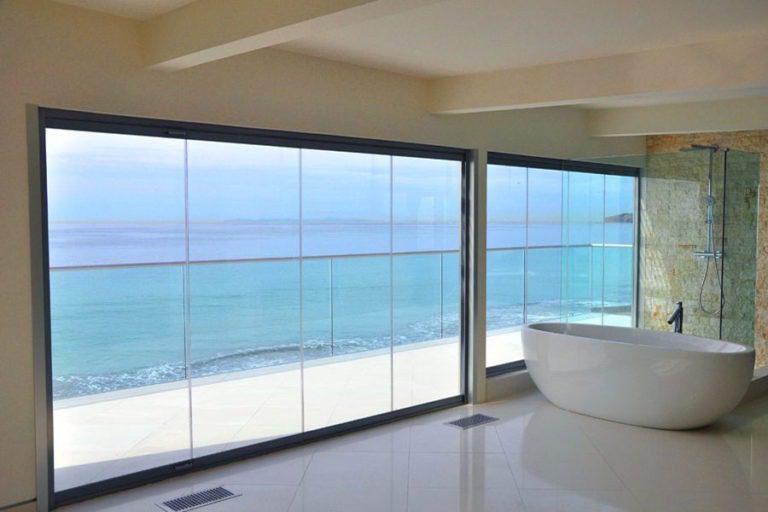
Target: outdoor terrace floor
[(113, 434)]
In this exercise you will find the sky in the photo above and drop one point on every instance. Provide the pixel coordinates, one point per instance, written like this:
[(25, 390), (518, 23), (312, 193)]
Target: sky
[(99, 177), (109, 177)]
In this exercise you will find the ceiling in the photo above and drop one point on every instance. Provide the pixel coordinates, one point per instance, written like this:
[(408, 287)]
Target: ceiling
[(457, 37), (136, 9), (454, 40)]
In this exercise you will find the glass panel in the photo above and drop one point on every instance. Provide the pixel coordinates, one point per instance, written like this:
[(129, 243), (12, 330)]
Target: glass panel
[(505, 263), (346, 211), (355, 381), (544, 276), (545, 208), (507, 206), (582, 296), (426, 204), (245, 310), (451, 264), (418, 298), (677, 185), (245, 353), (116, 241), (583, 221), (683, 180), (619, 292), (243, 201), (426, 214), (674, 187), (318, 309), (742, 185), (114, 199), (506, 305), (346, 203), (575, 261)]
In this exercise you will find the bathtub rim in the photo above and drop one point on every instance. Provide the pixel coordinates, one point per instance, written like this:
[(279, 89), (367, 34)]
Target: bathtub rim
[(743, 349)]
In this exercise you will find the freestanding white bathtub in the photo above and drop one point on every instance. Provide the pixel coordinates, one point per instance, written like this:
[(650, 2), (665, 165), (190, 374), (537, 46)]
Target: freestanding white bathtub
[(647, 378)]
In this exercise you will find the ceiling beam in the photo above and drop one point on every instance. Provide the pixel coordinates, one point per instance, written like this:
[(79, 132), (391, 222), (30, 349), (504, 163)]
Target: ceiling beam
[(715, 116), (697, 69), (209, 30)]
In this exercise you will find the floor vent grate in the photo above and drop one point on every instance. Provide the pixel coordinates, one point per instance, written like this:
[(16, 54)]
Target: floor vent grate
[(472, 421), (197, 500)]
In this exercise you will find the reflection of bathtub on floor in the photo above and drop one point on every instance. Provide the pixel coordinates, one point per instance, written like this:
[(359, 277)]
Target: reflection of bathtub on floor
[(647, 378), (723, 456)]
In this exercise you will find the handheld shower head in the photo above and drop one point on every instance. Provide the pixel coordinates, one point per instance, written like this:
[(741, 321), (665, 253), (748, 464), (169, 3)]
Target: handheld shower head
[(710, 200)]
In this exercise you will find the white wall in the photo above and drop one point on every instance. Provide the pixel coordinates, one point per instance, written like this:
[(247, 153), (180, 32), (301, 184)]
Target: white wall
[(60, 56)]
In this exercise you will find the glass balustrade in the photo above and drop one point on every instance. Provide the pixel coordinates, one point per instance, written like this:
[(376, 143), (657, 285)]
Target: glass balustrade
[(134, 327)]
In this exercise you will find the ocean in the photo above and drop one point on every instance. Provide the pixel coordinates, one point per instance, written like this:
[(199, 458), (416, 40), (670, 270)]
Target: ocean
[(119, 316)]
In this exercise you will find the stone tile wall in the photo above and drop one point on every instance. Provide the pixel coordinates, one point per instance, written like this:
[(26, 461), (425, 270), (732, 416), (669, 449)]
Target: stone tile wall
[(673, 223)]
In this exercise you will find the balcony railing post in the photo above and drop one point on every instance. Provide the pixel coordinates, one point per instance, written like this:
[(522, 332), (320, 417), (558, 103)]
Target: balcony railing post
[(442, 298)]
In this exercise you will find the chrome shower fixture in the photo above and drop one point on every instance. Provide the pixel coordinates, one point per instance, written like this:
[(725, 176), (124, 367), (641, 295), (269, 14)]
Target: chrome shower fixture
[(711, 147), (710, 253)]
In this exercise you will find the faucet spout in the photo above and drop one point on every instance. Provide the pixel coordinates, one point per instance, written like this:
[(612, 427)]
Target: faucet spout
[(677, 318)]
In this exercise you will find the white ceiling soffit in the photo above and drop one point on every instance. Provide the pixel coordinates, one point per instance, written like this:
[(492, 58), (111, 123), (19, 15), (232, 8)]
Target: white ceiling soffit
[(136, 9), (458, 37), (732, 67), (209, 30), (711, 116), (647, 100)]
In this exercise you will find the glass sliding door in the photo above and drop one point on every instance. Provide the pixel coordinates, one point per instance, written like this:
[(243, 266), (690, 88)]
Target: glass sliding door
[(619, 252), (583, 235), (244, 287), (599, 229), (506, 262), (116, 242), (346, 229), (212, 293), (560, 247), (426, 238), (544, 274)]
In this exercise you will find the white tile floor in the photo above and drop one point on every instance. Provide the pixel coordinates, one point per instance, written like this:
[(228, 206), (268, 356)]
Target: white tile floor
[(536, 458)]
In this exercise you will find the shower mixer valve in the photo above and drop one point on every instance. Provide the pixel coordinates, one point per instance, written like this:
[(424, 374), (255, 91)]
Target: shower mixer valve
[(708, 254)]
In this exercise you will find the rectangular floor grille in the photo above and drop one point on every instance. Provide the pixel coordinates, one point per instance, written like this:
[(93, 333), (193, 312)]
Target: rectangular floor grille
[(472, 421), (197, 500)]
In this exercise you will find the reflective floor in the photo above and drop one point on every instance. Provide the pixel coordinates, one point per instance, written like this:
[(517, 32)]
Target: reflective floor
[(536, 458)]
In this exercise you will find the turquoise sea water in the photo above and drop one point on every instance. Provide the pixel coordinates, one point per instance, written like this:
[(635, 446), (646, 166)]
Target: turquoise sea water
[(121, 327)]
